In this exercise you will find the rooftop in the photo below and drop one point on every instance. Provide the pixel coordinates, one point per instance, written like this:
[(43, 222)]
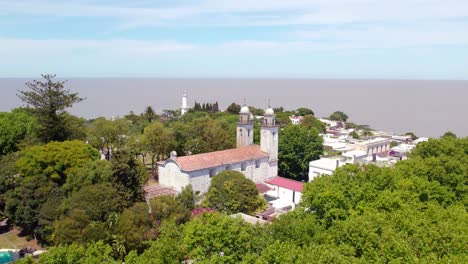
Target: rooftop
[(326, 164), (262, 188), (286, 183), (219, 158)]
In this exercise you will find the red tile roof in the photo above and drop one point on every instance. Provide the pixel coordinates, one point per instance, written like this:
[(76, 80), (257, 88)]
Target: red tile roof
[(219, 158), (262, 188), (286, 183)]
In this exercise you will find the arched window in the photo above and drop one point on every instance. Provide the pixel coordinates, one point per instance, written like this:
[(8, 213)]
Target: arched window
[(243, 166), (257, 164), (212, 172)]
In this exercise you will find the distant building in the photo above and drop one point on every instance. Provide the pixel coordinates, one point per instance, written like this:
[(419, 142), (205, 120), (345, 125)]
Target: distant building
[(332, 124), (400, 152), (296, 120), (257, 162), (354, 156), (183, 108), (374, 146), (323, 166), (402, 139)]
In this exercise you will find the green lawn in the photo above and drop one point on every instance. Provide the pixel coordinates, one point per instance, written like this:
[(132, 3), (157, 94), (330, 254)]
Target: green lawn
[(11, 240)]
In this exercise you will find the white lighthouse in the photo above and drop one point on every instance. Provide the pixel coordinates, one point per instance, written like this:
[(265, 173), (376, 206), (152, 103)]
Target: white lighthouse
[(183, 108)]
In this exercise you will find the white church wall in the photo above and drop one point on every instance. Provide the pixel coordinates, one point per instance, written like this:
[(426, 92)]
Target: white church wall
[(200, 180), (170, 175)]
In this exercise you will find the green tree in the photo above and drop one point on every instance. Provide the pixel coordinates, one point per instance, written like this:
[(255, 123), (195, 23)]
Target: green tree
[(310, 121), (8, 179), (413, 136), (449, 134), (167, 249), (206, 135), (149, 114), (165, 207), (218, 238), (49, 99), (233, 108), (98, 252), (186, 197), (231, 192), (158, 141), (14, 128), (304, 111), (298, 145), (55, 160), (135, 226), (354, 135), (108, 135), (96, 201), (128, 177), (93, 172), (338, 116)]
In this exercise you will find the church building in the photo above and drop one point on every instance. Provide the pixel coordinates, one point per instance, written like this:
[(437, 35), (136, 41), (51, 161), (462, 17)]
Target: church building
[(257, 162)]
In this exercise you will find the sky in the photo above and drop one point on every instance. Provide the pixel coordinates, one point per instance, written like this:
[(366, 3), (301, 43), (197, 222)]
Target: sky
[(375, 39)]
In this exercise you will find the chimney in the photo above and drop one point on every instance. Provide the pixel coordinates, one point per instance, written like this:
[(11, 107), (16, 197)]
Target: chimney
[(173, 155)]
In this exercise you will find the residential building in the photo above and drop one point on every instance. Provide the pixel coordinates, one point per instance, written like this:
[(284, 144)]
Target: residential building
[(323, 166)]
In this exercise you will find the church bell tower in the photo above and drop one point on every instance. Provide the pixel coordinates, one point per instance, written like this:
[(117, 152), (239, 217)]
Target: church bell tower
[(245, 132), (269, 135)]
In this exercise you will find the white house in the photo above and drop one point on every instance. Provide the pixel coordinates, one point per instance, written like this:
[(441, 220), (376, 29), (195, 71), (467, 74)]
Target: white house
[(323, 166), (296, 120), (288, 192), (256, 162)]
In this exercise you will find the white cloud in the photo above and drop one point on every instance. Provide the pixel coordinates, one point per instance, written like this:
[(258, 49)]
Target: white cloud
[(113, 46), (248, 12)]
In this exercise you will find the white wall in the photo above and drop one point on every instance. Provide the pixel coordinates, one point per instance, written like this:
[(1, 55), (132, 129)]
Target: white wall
[(171, 176), (286, 195), (314, 172)]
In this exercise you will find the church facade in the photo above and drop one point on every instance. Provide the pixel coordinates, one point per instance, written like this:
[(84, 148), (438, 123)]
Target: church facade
[(257, 162)]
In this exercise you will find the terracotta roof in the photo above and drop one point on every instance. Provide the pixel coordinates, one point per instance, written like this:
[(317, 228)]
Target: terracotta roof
[(286, 183), (262, 188), (219, 158)]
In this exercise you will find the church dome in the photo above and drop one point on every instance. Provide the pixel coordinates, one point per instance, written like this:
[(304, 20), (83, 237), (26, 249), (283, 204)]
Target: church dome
[(269, 112), (244, 110)]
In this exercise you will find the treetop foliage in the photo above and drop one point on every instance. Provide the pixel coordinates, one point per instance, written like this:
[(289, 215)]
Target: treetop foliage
[(338, 116), (231, 192), (48, 100)]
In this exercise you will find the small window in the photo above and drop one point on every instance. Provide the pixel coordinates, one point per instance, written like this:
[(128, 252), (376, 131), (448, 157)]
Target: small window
[(243, 166), (212, 172), (228, 167), (257, 164)]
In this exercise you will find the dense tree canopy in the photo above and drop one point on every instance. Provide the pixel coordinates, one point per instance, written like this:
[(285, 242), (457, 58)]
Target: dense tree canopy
[(298, 145), (310, 121), (304, 111), (231, 192), (338, 116), (158, 141), (108, 135), (14, 128)]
